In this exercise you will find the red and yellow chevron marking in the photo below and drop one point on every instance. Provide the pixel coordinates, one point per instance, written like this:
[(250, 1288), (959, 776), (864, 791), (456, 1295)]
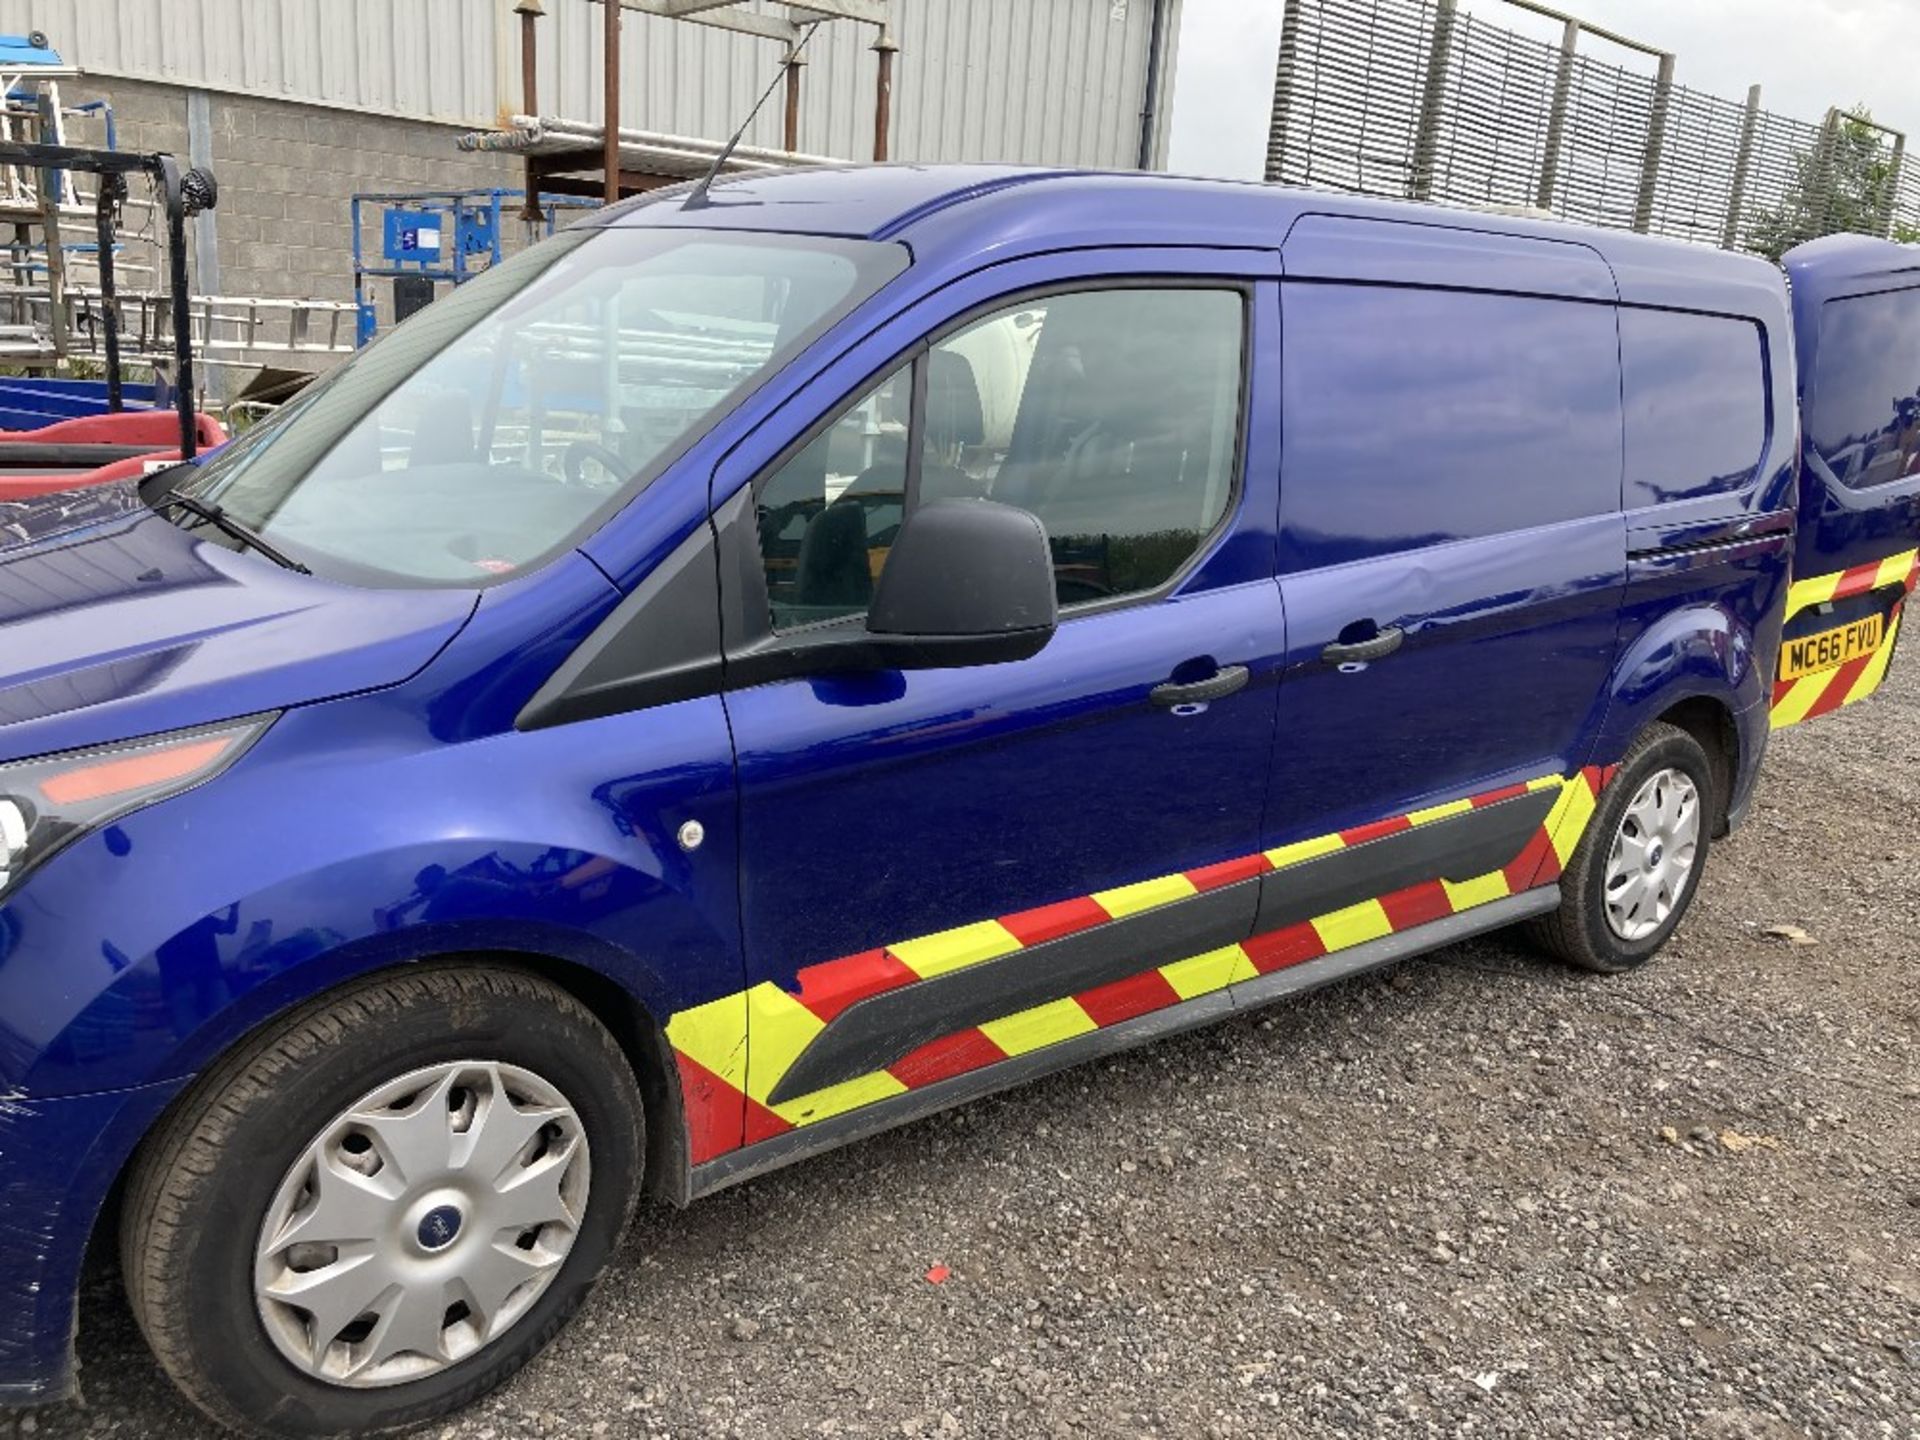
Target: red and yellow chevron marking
[(1827, 690), (733, 1051)]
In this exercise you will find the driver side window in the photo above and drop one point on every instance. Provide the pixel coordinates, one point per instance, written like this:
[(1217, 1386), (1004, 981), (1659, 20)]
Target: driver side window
[(829, 515), (1112, 415)]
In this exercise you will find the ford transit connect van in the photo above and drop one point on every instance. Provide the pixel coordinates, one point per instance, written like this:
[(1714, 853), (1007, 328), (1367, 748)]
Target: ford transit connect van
[(755, 670)]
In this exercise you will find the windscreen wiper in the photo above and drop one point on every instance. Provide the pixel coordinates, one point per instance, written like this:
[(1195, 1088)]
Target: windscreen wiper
[(244, 533)]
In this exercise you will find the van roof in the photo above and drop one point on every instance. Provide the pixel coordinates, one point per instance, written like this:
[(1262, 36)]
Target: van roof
[(1010, 210), (1834, 268)]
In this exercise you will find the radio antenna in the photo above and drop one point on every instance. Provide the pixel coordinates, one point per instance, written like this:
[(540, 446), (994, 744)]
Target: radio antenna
[(698, 198)]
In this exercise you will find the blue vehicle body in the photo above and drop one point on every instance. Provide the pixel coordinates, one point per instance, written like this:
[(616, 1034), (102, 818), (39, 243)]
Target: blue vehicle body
[(399, 808)]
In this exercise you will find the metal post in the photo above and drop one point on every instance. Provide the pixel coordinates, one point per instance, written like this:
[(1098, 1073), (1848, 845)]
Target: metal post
[(113, 188), (1433, 94), (610, 147), (1656, 143), (1150, 100), (1742, 169), (883, 49), (1557, 118), (50, 183), (794, 61), (1893, 184), (1283, 89), (530, 11), (182, 302), (1825, 157)]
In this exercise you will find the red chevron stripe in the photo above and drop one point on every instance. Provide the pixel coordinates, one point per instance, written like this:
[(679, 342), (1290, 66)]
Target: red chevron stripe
[(1494, 797), (831, 986), (1416, 905), (944, 1058), (1376, 830), (1835, 695), (716, 1112), (1277, 949), (1050, 922), (1123, 999), (1228, 872), (1857, 581)]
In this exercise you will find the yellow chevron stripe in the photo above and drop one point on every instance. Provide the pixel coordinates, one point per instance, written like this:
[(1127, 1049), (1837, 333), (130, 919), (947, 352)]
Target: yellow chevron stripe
[(715, 1036), (1896, 569), (1440, 812), (1353, 925), (1039, 1027), (1147, 895), (1792, 707), (1804, 594), (1304, 850), (955, 949), (1876, 670), (1567, 821), (838, 1099), (1465, 894), (1203, 974)]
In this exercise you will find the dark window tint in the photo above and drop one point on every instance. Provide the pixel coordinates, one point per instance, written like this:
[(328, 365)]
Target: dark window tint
[(828, 516), (1111, 414), (1864, 420), (1414, 417), (1696, 404)]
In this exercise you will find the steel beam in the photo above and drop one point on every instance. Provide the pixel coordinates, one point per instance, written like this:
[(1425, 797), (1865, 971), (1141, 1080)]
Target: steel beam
[(724, 15)]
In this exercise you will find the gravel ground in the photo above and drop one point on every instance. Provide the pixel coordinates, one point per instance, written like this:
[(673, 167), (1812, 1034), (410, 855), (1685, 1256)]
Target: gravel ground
[(1477, 1195)]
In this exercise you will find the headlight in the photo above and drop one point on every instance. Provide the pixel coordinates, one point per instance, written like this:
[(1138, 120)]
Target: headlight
[(48, 803)]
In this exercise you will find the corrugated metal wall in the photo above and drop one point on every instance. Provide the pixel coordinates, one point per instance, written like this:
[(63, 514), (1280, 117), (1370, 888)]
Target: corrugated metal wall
[(1047, 81)]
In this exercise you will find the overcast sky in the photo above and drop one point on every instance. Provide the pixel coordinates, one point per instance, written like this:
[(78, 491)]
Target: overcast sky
[(1804, 54)]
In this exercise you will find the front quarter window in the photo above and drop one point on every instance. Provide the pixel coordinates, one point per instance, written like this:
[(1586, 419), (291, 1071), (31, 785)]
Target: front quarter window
[(491, 429)]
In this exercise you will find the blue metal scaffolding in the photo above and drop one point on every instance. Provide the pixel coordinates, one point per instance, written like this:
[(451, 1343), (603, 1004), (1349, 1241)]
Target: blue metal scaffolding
[(429, 237)]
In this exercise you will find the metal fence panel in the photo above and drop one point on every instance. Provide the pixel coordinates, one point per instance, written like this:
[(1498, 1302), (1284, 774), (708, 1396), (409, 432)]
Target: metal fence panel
[(1415, 98)]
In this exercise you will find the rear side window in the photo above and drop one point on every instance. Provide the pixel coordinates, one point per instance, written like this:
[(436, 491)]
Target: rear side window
[(1864, 419), (1415, 417), (1696, 393)]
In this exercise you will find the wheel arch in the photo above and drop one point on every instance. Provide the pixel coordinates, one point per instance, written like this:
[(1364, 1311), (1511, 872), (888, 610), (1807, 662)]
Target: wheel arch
[(1710, 721), (643, 1038)]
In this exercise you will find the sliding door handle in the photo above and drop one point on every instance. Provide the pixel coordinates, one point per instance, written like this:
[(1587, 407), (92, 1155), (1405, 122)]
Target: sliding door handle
[(1361, 651)]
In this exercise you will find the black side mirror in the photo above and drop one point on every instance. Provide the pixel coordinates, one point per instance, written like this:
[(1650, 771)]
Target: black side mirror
[(967, 582)]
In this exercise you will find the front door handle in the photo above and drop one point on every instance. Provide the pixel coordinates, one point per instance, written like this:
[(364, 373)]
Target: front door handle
[(1361, 651), (1217, 686)]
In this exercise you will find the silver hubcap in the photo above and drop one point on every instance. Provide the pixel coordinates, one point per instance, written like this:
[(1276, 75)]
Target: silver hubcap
[(421, 1223), (1653, 853)]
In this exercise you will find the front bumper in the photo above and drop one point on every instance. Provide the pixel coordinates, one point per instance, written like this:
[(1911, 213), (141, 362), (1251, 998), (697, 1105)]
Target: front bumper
[(58, 1161)]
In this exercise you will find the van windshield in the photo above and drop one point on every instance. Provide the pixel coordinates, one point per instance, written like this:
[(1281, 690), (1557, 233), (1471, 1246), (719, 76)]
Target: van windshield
[(492, 428)]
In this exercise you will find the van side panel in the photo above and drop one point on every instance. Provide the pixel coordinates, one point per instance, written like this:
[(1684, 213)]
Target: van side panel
[(1450, 480), (1707, 497)]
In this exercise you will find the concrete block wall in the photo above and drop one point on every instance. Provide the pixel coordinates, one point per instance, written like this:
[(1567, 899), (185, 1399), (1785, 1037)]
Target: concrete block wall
[(286, 173)]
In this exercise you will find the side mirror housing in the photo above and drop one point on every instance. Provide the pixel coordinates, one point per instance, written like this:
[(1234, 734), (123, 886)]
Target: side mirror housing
[(967, 582)]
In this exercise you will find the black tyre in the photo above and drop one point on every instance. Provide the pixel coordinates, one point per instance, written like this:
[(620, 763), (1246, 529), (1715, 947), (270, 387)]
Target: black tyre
[(1636, 869), (383, 1206)]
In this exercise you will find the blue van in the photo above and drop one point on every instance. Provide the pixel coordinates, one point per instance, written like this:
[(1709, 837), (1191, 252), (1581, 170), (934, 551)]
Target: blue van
[(763, 667)]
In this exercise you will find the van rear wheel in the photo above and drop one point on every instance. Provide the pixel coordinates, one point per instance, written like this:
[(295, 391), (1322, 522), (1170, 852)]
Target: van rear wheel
[(1638, 867), (382, 1207)]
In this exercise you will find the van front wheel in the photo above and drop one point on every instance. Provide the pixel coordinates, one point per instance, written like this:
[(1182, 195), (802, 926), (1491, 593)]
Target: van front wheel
[(1638, 866), (383, 1206)]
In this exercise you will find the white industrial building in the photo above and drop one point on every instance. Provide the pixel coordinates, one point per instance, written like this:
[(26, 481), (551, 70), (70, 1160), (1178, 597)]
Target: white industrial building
[(296, 105)]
